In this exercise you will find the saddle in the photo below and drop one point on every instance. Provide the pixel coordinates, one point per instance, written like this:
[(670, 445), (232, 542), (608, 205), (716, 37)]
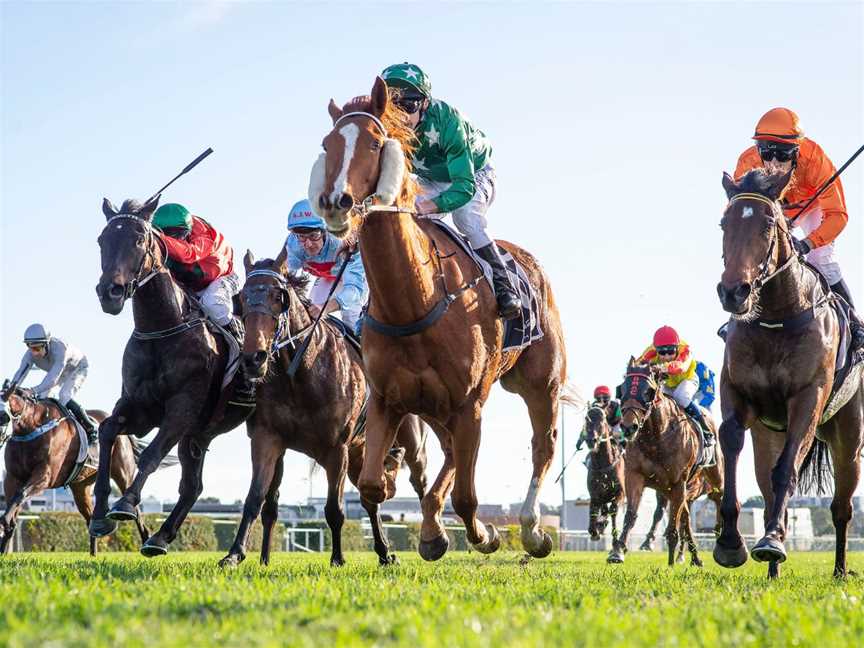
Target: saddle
[(519, 332), (848, 366)]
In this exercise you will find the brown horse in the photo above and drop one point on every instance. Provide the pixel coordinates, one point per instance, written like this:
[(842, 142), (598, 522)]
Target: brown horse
[(778, 371), (444, 349), (173, 369), (605, 473), (663, 454), (48, 460), (315, 412)]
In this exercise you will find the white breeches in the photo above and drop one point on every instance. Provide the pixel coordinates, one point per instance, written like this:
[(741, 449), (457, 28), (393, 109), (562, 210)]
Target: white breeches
[(217, 298), (684, 392)]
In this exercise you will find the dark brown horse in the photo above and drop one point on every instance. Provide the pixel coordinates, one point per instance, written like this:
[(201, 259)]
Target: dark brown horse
[(778, 371), (173, 368), (48, 460), (663, 454), (315, 412), (605, 473), (444, 351)]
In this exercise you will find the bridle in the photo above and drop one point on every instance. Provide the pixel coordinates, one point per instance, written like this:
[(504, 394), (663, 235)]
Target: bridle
[(138, 281), (597, 441), (646, 410), (256, 301)]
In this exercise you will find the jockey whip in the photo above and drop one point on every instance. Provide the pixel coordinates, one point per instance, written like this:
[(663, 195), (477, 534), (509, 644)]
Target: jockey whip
[(826, 185), (185, 170), (567, 465), (298, 357)]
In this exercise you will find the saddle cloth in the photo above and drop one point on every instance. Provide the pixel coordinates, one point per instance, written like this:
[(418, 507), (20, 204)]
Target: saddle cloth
[(519, 332), (88, 456), (848, 367)]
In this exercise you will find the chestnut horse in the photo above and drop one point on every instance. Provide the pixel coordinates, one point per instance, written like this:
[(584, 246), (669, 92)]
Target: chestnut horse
[(49, 459), (663, 454), (605, 473), (316, 411), (777, 375), (447, 353)]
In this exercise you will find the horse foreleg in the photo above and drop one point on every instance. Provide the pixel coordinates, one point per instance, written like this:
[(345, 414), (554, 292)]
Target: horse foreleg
[(11, 487), (543, 411), (677, 508), (634, 485), (336, 466), (844, 445), (411, 435), (433, 539), (270, 512), (109, 430), (687, 532), (381, 427), (81, 493), (648, 544), (378, 539), (266, 450), (729, 549)]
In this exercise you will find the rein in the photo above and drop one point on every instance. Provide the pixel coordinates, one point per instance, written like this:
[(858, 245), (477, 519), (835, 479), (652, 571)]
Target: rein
[(283, 336), (137, 282)]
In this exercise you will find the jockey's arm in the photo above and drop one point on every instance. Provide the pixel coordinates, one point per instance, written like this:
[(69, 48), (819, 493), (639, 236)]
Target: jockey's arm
[(354, 290), (832, 202), (460, 167), (292, 254), (60, 360), (196, 249), (23, 369)]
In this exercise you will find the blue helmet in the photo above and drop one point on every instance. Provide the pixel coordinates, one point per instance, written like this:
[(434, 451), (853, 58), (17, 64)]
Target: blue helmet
[(301, 215)]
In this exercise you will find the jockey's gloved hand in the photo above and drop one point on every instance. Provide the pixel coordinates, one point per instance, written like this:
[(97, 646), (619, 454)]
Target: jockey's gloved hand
[(802, 246)]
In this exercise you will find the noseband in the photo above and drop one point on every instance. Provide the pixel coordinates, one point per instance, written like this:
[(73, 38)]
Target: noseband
[(130, 288), (765, 274), (258, 302), (646, 410)]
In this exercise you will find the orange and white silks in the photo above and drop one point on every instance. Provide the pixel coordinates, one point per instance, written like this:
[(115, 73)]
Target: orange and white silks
[(812, 170)]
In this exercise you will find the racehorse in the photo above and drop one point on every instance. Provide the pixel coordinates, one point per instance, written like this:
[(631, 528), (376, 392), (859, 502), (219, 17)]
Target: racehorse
[(173, 369), (436, 346), (317, 411), (42, 453), (778, 372), (605, 473), (663, 453)]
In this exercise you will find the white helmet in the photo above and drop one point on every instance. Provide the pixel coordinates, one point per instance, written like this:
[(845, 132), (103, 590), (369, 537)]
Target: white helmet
[(36, 334)]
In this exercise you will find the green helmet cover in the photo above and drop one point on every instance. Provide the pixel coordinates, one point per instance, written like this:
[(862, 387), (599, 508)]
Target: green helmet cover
[(172, 215), (407, 76)]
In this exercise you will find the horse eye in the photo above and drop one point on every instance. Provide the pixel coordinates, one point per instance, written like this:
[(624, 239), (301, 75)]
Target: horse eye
[(139, 241), (376, 145)]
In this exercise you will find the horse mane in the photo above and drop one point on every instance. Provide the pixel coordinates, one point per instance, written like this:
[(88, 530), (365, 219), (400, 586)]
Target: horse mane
[(298, 282), (756, 181), (396, 122), (130, 206)]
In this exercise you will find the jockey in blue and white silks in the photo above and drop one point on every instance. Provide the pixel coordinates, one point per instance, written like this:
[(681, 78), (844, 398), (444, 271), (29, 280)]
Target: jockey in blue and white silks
[(312, 248)]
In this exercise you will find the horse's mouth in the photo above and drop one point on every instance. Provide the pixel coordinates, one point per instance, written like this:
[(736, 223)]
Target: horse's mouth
[(111, 299)]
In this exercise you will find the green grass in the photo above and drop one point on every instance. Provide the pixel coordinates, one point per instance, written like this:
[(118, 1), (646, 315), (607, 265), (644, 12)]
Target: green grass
[(568, 599)]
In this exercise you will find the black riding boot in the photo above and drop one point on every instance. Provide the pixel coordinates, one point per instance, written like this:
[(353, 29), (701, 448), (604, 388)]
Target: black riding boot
[(509, 304), (695, 412), (855, 324), (244, 389), (90, 426)]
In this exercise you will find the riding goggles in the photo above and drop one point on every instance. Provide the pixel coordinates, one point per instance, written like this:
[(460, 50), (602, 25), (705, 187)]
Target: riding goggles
[(603, 400), (668, 350), (409, 105), (315, 236), (784, 154)]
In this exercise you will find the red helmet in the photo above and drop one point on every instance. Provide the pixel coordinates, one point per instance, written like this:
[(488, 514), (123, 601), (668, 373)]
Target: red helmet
[(602, 390), (666, 336), (779, 125)]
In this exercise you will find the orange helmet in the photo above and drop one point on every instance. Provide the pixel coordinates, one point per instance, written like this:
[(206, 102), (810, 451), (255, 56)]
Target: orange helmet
[(666, 336), (779, 125)]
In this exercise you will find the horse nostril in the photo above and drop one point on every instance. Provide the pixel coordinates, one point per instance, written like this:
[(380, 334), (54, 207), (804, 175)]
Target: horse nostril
[(260, 357), (742, 292), (116, 291), (323, 202), (346, 201)]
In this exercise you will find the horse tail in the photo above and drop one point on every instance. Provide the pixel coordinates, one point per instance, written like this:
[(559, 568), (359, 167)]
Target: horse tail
[(139, 446), (572, 396), (816, 469)]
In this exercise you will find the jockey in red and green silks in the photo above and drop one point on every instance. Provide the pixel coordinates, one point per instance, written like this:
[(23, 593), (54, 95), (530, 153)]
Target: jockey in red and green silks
[(453, 164)]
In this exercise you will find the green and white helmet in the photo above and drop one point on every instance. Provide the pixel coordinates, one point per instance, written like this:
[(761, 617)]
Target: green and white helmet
[(407, 76)]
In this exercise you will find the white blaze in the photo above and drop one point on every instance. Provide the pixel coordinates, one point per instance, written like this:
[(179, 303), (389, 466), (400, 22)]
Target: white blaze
[(350, 133)]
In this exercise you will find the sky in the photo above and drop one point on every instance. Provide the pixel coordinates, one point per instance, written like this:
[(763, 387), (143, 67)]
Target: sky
[(611, 125)]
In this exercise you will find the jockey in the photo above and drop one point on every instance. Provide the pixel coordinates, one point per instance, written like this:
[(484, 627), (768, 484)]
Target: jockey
[(66, 369), (781, 147), (310, 247), (672, 355), (453, 164)]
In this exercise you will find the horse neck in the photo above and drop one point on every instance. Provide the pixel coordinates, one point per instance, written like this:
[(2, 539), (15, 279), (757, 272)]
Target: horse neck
[(32, 415), (607, 452), (789, 292), (159, 304), (400, 267)]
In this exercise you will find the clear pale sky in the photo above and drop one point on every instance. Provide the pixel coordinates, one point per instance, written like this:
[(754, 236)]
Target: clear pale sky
[(611, 125)]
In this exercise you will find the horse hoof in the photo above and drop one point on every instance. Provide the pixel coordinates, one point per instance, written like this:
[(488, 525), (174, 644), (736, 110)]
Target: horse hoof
[(102, 527), (390, 559), (231, 560), (122, 511), (615, 557), (153, 548), (432, 550), (730, 557), (646, 546), (696, 562), (543, 549), (492, 544), (337, 562), (768, 549)]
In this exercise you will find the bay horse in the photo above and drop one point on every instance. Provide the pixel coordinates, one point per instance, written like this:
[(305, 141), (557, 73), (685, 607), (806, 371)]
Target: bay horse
[(605, 473), (48, 460), (663, 453), (778, 371), (315, 412), (443, 351), (173, 368)]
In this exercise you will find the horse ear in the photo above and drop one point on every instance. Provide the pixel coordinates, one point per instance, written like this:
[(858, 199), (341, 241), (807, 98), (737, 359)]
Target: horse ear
[(249, 260), (729, 185), (380, 97), (334, 110), (632, 362), (777, 183), (108, 209), (146, 212)]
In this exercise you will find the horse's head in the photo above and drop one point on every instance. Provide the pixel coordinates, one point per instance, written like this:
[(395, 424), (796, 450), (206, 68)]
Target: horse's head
[(267, 298), (756, 239), (640, 394), (131, 252), (18, 402), (364, 159), (596, 427)]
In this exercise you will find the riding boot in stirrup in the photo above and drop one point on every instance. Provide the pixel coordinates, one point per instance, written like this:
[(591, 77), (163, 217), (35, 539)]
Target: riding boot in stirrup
[(244, 389), (695, 412), (89, 425), (509, 304), (856, 326)]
